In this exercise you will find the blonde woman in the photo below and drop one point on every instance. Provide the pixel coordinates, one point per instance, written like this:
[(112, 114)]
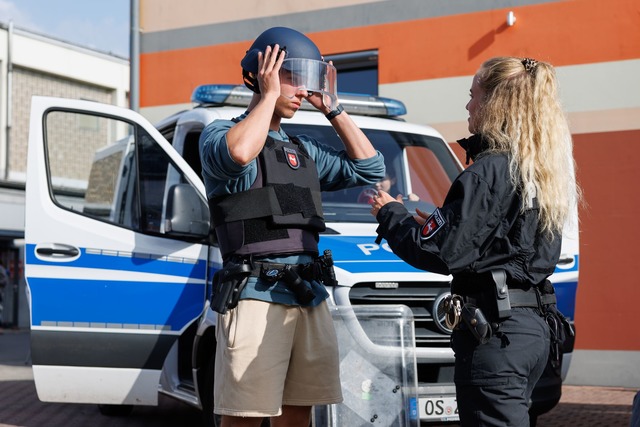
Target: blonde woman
[(500, 224)]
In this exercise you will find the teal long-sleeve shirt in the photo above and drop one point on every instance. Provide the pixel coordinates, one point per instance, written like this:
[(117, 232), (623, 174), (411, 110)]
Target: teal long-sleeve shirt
[(335, 171)]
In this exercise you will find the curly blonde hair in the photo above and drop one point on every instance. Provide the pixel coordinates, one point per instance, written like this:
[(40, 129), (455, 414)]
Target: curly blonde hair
[(521, 114)]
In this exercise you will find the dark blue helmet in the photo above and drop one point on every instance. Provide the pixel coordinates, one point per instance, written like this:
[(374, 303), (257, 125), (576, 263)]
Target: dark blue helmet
[(293, 43)]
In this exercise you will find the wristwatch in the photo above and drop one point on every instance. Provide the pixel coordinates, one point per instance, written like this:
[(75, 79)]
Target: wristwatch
[(339, 109)]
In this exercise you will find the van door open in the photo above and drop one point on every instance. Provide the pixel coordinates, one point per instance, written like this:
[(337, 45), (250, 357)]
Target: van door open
[(115, 273)]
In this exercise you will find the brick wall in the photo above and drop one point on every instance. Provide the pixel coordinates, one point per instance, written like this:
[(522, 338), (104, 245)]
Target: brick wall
[(26, 83)]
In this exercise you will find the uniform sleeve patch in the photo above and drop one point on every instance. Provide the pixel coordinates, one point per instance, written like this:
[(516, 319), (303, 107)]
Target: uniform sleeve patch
[(432, 225)]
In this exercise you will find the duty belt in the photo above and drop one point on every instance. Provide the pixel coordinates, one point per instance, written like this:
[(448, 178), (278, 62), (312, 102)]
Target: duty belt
[(229, 281), (481, 313), (320, 269), (484, 300), (274, 270), (518, 298)]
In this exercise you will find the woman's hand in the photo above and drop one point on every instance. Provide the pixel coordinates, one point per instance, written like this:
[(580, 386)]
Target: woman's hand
[(382, 198), (379, 200)]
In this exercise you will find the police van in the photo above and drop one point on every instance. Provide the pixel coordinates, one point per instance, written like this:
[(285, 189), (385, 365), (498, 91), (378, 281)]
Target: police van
[(119, 258)]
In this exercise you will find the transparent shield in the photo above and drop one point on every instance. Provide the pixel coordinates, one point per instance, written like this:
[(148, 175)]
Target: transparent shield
[(377, 368)]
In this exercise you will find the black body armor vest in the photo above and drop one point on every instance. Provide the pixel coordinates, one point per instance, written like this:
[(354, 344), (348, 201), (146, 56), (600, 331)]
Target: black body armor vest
[(281, 212)]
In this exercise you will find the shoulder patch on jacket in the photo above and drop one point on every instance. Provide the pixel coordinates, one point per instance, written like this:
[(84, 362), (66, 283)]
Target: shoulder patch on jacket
[(432, 225)]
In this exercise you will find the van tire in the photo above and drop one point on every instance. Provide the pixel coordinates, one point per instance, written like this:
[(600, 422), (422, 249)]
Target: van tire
[(115, 410)]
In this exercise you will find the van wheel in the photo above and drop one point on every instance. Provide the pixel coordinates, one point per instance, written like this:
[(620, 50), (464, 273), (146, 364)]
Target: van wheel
[(116, 410)]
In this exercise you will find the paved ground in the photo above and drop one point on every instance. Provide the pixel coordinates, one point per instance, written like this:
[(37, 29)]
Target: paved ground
[(580, 406)]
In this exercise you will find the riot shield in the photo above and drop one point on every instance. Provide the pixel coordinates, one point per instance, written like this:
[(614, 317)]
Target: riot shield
[(377, 368)]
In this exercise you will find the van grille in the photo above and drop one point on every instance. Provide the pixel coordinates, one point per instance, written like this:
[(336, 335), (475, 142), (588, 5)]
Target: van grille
[(418, 296)]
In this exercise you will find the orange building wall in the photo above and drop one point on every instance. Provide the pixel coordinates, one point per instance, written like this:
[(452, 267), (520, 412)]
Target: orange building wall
[(597, 31), (609, 233)]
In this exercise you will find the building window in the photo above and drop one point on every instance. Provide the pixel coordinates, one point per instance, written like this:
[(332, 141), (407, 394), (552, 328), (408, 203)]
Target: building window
[(357, 71)]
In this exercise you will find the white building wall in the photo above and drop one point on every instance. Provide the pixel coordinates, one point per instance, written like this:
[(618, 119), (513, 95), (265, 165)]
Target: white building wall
[(44, 66)]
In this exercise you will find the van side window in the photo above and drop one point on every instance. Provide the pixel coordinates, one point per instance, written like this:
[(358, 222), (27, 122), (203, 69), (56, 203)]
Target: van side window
[(153, 166), (113, 171)]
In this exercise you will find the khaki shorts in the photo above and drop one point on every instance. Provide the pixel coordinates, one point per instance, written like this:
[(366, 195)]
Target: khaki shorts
[(269, 355)]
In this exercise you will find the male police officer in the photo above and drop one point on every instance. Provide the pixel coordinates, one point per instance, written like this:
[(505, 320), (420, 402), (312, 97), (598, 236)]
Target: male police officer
[(276, 349)]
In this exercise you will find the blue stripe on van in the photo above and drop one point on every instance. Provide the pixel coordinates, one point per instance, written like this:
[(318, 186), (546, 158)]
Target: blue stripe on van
[(104, 303), (566, 295), (360, 254)]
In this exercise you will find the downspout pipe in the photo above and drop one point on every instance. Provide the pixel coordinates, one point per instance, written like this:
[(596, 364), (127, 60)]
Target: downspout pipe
[(134, 56), (9, 98)]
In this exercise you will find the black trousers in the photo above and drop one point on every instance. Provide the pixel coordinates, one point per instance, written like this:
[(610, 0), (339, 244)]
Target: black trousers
[(494, 381)]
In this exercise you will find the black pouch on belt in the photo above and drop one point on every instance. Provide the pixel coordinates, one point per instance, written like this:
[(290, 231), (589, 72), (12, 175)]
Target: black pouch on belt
[(324, 264), (227, 286), (294, 282), (476, 322), (503, 303), (560, 329)]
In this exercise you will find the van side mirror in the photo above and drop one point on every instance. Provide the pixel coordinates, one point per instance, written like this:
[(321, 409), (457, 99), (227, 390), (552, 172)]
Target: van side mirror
[(187, 215)]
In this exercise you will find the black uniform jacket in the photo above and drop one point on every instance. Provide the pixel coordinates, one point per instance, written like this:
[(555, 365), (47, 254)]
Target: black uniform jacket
[(479, 227)]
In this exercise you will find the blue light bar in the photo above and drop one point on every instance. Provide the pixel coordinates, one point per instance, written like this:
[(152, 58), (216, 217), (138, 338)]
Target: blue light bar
[(222, 95), (239, 95), (394, 107)]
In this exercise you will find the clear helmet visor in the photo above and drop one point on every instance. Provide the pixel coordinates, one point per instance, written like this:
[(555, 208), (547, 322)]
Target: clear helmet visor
[(298, 74)]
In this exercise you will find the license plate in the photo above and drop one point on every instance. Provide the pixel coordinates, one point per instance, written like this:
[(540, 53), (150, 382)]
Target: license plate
[(443, 408)]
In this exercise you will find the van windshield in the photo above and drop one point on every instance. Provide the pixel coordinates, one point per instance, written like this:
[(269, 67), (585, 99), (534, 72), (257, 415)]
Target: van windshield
[(420, 170)]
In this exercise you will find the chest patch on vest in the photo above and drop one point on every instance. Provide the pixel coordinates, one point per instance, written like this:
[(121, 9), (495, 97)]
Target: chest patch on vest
[(432, 225), (292, 157)]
